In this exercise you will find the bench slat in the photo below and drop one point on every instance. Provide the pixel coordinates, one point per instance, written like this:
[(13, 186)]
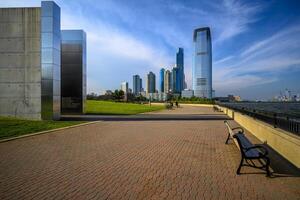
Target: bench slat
[(245, 144), (231, 134)]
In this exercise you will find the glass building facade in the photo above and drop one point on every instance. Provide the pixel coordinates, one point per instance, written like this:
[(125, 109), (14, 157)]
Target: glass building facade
[(151, 83), (168, 82), (50, 60), (162, 80), (180, 71), (202, 63), (175, 82), (73, 71), (137, 84)]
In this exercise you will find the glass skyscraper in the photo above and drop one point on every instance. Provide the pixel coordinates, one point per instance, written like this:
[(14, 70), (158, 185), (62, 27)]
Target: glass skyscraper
[(151, 83), (202, 63), (137, 84), (175, 80), (162, 80), (168, 82), (180, 71)]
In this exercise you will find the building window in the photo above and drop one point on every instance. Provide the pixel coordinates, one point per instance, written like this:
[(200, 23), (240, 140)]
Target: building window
[(201, 53), (201, 81)]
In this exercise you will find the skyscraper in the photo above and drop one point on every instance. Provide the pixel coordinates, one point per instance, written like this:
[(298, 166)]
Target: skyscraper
[(180, 77), (141, 85), (162, 79), (137, 84), (73, 71), (124, 87), (175, 82), (202, 63), (168, 82), (151, 83)]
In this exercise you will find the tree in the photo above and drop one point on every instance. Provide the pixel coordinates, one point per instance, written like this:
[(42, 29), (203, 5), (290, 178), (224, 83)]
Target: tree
[(118, 95), (92, 96)]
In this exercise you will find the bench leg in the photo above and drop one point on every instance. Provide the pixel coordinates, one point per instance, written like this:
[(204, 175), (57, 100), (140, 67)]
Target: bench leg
[(228, 137), (268, 167), (238, 171)]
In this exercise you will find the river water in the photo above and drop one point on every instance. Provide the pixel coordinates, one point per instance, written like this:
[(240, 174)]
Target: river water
[(291, 109)]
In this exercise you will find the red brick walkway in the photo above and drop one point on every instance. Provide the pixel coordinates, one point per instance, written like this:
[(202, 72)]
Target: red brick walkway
[(134, 160)]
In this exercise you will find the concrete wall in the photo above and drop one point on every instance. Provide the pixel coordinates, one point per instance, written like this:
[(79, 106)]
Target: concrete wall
[(198, 105), (285, 143), (20, 66)]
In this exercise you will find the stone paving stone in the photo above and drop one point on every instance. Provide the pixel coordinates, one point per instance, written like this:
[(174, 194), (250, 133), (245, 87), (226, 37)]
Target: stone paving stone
[(135, 160)]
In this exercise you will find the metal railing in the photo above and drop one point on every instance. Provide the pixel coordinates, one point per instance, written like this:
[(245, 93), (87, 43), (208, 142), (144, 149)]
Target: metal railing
[(283, 122)]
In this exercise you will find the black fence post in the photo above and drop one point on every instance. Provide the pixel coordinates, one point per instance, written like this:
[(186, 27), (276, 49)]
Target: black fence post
[(275, 120)]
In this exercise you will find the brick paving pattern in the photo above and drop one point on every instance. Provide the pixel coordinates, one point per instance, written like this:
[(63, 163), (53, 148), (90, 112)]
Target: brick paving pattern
[(134, 160)]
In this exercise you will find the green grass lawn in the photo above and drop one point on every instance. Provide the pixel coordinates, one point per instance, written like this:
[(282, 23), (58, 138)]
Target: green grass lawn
[(118, 108), (11, 127)]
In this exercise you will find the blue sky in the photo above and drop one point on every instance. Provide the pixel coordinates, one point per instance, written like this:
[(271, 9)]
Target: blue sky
[(256, 44)]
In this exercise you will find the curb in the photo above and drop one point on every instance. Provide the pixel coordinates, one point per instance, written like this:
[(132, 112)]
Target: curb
[(47, 131)]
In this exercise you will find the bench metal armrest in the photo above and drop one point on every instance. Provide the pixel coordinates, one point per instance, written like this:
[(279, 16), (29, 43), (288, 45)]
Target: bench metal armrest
[(264, 151), (238, 128)]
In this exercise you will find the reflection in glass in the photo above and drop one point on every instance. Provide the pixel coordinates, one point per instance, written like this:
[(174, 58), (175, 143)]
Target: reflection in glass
[(73, 71), (50, 53)]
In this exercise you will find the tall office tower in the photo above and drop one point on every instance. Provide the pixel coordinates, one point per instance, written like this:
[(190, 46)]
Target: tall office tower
[(202, 63), (151, 83), (124, 87), (162, 79), (175, 82), (168, 82), (137, 84), (30, 61), (141, 85), (180, 65), (73, 71)]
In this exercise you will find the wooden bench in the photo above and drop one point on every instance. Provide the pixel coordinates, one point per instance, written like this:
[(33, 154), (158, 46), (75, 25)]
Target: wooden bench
[(249, 152)]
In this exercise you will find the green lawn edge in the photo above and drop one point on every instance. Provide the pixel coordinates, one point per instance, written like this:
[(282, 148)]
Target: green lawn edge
[(96, 107), (14, 127)]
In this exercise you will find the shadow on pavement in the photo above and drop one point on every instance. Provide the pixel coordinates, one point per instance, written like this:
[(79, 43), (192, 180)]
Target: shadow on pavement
[(281, 167), (143, 117)]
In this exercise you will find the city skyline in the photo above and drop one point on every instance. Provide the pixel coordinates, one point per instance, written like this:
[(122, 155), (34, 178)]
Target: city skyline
[(248, 38)]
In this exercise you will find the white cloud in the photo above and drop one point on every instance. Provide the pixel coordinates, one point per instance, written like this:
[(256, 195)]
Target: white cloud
[(262, 62), (234, 18), (241, 82), (280, 36), (114, 53), (217, 62)]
